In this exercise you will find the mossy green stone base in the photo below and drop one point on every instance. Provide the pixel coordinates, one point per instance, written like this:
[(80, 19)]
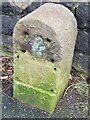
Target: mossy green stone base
[(34, 72), (37, 83), (34, 96)]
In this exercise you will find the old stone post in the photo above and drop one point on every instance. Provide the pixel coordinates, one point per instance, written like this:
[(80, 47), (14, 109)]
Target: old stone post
[(44, 42)]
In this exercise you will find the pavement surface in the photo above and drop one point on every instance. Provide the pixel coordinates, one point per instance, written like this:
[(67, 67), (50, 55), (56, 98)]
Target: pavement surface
[(72, 105)]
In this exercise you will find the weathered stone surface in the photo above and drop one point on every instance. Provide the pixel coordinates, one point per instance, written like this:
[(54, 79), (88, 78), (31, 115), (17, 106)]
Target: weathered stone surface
[(82, 42), (30, 8), (7, 40), (89, 69), (8, 9), (83, 16), (21, 3), (70, 6), (6, 45), (80, 62), (44, 78), (88, 42), (8, 23), (82, 52)]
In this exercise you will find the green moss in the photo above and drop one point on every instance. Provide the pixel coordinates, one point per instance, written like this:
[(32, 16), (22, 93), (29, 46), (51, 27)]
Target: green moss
[(35, 96), (37, 83), (36, 73)]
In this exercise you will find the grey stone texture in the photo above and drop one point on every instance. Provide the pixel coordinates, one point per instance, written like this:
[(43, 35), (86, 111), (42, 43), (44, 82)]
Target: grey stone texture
[(83, 15), (7, 42), (21, 3), (82, 42), (80, 62), (32, 7), (9, 9), (8, 23), (88, 43)]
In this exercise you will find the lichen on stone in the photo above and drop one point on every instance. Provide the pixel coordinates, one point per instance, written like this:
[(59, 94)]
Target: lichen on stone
[(37, 45), (43, 48)]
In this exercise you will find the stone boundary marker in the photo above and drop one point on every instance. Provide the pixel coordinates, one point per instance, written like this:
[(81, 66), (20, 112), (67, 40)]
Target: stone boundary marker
[(45, 41)]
